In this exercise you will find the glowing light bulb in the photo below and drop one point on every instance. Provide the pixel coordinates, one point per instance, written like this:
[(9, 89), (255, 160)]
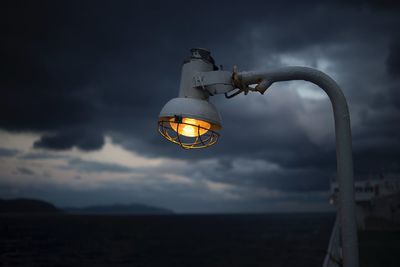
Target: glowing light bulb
[(190, 127)]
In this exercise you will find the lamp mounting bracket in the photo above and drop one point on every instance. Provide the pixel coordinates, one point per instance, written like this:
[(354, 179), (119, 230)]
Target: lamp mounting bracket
[(223, 82), (215, 82)]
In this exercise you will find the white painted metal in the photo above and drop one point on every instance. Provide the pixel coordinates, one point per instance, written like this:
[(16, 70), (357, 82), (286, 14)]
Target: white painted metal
[(334, 256), (191, 108), (197, 63), (215, 82), (344, 157)]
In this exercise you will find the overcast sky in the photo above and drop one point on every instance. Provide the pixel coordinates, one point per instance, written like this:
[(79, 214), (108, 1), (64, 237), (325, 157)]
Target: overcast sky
[(82, 83)]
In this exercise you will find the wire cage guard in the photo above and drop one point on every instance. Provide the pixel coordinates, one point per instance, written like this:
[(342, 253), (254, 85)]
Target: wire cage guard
[(208, 138)]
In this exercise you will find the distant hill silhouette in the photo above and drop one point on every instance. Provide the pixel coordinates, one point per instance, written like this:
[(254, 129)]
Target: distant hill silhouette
[(119, 209), (25, 205)]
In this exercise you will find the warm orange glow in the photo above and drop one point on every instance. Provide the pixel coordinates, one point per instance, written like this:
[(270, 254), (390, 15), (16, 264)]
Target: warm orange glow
[(191, 130)]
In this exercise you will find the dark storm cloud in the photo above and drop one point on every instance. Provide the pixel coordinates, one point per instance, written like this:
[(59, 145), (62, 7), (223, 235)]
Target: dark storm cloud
[(94, 166), (393, 59), (299, 178), (67, 139), (73, 64), (380, 4), (6, 152), (41, 156), (75, 72), (25, 171)]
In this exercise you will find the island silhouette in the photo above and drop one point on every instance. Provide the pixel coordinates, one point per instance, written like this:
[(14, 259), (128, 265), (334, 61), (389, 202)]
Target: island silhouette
[(34, 206)]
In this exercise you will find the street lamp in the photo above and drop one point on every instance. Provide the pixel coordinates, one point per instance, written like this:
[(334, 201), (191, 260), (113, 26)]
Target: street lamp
[(191, 121)]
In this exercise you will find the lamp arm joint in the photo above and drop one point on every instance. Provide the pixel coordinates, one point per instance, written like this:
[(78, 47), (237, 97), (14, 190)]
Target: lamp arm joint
[(262, 83)]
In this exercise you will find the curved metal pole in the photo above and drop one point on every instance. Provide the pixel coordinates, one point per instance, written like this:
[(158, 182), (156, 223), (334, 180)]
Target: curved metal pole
[(344, 158)]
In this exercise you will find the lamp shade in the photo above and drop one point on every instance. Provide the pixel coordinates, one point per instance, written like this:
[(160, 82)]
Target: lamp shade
[(192, 108)]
